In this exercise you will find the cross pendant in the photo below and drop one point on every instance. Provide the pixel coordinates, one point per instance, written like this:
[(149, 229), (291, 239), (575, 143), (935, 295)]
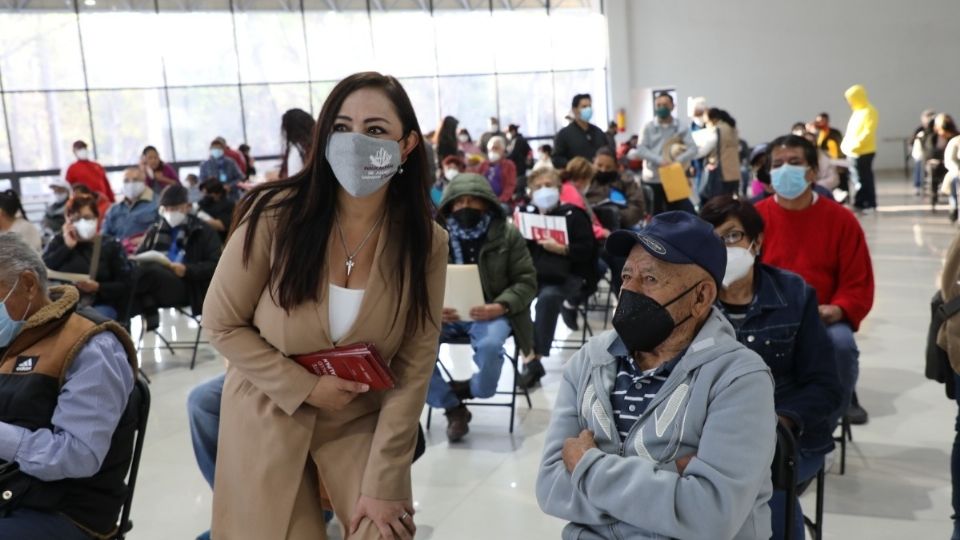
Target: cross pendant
[(349, 266)]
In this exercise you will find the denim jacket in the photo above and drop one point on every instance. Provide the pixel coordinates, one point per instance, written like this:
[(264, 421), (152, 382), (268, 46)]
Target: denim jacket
[(783, 326)]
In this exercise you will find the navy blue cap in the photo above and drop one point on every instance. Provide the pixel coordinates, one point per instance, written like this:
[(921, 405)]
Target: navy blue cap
[(678, 238)]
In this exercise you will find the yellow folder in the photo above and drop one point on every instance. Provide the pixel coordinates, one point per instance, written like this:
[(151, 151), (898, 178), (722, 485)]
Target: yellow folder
[(675, 183)]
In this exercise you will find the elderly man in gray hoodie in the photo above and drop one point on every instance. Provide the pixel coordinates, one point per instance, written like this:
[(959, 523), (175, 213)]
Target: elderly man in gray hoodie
[(665, 427)]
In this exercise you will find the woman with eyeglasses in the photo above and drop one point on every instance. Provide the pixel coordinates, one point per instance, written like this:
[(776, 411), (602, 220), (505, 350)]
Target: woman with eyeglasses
[(774, 313), (73, 249)]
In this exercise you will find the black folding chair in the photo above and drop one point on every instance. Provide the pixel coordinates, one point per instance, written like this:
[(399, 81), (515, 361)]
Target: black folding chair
[(515, 390), (138, 404), (784, 478), (846, 434), (175, 345)]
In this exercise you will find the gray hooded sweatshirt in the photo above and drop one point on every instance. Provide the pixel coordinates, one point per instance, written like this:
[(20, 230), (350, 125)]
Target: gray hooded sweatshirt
[(717, 403)]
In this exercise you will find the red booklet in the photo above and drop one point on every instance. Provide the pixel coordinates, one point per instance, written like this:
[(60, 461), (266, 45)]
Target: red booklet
[(359, 362)]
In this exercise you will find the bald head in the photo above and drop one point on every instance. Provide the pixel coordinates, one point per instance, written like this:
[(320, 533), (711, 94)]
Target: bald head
[(133, 174)]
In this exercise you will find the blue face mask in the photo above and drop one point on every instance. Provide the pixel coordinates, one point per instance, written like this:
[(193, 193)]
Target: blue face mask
[(9, 328), (789, 181), (586, 114), (216, 153)]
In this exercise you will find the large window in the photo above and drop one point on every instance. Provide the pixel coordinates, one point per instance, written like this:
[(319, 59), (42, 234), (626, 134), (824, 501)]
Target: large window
[(124, 74)]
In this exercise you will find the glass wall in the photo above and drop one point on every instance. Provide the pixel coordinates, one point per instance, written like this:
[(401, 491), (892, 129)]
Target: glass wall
[(123, 74)]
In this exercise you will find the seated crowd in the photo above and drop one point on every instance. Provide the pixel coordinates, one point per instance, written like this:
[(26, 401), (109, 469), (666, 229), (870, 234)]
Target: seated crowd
[(726, 322)]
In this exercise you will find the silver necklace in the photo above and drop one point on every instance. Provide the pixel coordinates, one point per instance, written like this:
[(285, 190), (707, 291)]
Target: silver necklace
[(350, 263)]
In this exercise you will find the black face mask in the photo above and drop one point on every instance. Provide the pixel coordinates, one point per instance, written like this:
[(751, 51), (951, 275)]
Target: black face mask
[(642, 323), (467, 218), (606, 177)]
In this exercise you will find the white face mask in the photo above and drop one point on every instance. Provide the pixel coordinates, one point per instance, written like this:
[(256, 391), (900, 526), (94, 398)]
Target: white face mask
[(133, 190), (83, 154), (494, 156), (450, 174), (362, 164), (739, 263), (86, 228), (463, 137), (175, 219)]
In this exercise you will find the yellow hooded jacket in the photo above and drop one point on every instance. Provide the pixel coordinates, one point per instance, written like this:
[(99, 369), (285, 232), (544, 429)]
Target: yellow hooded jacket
[(861, 136)]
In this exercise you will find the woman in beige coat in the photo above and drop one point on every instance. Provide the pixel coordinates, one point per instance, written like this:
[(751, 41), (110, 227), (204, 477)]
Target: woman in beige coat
[(343, 252)]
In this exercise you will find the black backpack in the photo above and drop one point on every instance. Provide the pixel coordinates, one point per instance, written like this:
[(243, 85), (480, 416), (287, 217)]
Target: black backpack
[(938, 366)]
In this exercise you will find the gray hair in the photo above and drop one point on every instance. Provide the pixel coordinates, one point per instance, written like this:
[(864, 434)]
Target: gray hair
[(16, 257), (497, 139)]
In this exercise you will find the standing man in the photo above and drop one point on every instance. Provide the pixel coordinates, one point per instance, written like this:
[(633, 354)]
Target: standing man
[(222, 168), (237, 157), (860, 143), (89, 173), (822, 241), (494, 131), (580, 138), (665, 128)]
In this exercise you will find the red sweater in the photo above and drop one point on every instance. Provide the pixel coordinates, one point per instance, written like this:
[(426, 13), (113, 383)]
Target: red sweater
[(826, 246), (92, 175)]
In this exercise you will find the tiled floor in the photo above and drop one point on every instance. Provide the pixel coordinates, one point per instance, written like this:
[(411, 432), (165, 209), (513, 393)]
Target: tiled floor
[(897, 483)]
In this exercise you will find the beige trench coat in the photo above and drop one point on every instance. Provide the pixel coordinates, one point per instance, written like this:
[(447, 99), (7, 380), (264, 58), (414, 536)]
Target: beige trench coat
[(274, 448)]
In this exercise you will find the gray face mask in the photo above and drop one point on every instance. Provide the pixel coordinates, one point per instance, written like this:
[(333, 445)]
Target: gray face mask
[(362, 164)]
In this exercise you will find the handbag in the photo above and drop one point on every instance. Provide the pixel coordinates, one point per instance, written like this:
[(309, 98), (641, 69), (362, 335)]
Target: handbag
[(938, 366)]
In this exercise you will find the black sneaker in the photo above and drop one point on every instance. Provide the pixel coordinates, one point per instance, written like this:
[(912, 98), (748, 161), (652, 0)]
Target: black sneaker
[(458, 422), (151, 320), (461, 389), (857, 414), (532, 373), (953, 215), (569, 316)]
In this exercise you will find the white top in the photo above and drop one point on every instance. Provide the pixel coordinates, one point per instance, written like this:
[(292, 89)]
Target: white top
[(29, 232), (344, 308)]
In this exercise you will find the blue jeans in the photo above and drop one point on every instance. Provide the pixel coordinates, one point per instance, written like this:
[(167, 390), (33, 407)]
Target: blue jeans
[(807, 467), (848, 362), (918, 173), (26, 523), (550, 299), (203, 412), (107, 311), (487, 339)]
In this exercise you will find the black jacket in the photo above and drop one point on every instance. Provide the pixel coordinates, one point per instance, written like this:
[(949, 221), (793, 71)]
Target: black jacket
[(518, 151), (572, 142), (221, 210), (113, 272), (202, 247), (581, 260)]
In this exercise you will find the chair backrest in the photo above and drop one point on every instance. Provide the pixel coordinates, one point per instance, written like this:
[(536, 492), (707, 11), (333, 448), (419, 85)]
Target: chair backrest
[(139, 402), (784, 468)]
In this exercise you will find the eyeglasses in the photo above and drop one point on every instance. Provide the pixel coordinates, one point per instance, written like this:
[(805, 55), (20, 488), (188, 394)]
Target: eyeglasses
[(732, 237)]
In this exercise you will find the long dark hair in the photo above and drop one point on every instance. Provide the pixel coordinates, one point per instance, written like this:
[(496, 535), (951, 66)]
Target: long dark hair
[(715, 114), (10, 204), (307, 201), (296, 126), (447, 138)]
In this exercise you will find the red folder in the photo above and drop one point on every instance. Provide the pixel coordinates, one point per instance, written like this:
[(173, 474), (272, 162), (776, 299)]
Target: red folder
[(359, 362)]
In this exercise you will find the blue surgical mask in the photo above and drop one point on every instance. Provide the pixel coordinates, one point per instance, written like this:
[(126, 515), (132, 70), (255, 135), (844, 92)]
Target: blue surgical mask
[(216, 153), (546, 198), (9, 328), (586, 114), (789, 181)]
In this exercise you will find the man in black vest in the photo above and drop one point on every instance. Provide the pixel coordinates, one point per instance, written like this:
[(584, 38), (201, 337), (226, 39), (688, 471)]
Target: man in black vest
[(65, 380)]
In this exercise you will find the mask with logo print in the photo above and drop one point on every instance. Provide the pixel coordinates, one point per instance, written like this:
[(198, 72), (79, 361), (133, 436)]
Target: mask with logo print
[(362, 164)]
